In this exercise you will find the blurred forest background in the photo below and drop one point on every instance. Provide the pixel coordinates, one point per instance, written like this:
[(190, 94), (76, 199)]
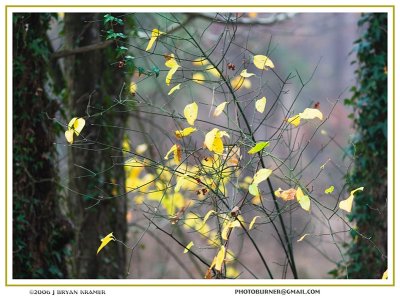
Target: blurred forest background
[(66, 198)]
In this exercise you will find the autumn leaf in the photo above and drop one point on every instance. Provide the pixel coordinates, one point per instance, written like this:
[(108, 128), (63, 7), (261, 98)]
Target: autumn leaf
[(261, 175), (262, 62), (385, 275), (105, 241), (206, 217), (252, 222), (303, 200), (348, 203), (294, 120), (176, 149), (177, 87), (213, 71), (238, 82), (155, 33), (311, 113), (173, 65), (190, 112), (133, 88), (228, 226), (198, 77), (220, 108), (75, 126), (329, 190), (185, 132), (245, 74), (260, 104), (220, 258), (187, 248), (286, 195), (253, 190), (258, 147), (200, 62), (302, 238), (141, 148), (213, 140)]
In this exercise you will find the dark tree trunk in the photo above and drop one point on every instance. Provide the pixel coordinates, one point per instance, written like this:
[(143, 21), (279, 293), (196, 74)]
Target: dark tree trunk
[(91, 170), (40, 232)]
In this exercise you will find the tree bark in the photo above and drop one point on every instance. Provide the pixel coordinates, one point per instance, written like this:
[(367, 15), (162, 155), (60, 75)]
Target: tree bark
[(90, 161)]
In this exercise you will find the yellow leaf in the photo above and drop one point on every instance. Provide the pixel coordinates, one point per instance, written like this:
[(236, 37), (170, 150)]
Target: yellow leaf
[(198, 77), (245, 74), (200, 62), (262, 62), (261, 175), (302, 238), (286, 195), (74, 126), (252, 222), (185, 132), (176, 149), (294, 120), (187, 248), (177, 87), (220, 108), (329, 190), (303, 200), (69, 135), (253, 190), (154, 35), (170, 73), (105, 241), (141, 148), (311, 113), (190, 112), (238, 82), (170, 61), (133, 88), (385, 275), (258, 147), (220, 259), (260, 104), (213, 71), (228, 226), (348, 203), (213, 140), (179, 182), (207, 216)]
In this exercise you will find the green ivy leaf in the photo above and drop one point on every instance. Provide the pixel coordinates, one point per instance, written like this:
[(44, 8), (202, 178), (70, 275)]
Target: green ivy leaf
[(258, 147)]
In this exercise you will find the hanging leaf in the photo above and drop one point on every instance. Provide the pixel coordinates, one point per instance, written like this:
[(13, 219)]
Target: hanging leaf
[(185, 132), (200, 62), (302, 238), (213, 71), (198, 78), (105, 241), (258, 147), (75, 126), (220, 108), (294, 120), (261, 175), (190, 112), (133, 88), (156, 70), (171, 63), (245, 74), (286, 195), (206, 217), (311, 113), (262, 62), (348, 203), (177, 87), (187, 248), (329, 190), (220, 259), (155, 33), (213, 140), (176, 149), (253, 190), (260, 104), (228, 226), (303, 200), (252, 222)]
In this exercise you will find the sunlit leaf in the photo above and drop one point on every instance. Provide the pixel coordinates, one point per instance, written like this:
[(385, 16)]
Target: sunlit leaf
[(329, 190), (253, 190), (177, 87), (286, 195), (190, 112), (220, 259), (187, 248), (302, 238), (105, 241), (207, 216), (385, 275), (303, 200), (173, 65), (348, 203), (75, 126), (133, 88), (294, 120), (261, 175), (220, 108), (262, 62), (238, 82), (260, 104), (245, 74), (258, 147), (311, 113), (200, 62), (141, 148), (252, 222), (228, 226), (69, 135), (185, 132), (176, 149), (213, 71), (213, 140), (198, 77), (170, 73), (155, 33)]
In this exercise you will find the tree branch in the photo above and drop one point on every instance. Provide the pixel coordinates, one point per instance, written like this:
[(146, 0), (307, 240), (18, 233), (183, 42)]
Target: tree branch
[(82, 49)]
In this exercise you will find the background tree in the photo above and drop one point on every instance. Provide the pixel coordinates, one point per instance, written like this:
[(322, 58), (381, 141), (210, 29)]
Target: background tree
[(40, 231)]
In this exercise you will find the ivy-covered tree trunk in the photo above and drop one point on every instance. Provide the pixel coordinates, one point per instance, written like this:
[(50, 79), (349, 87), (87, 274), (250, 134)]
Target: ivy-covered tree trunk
[(40, 232), (92, 206), (367, 258)]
